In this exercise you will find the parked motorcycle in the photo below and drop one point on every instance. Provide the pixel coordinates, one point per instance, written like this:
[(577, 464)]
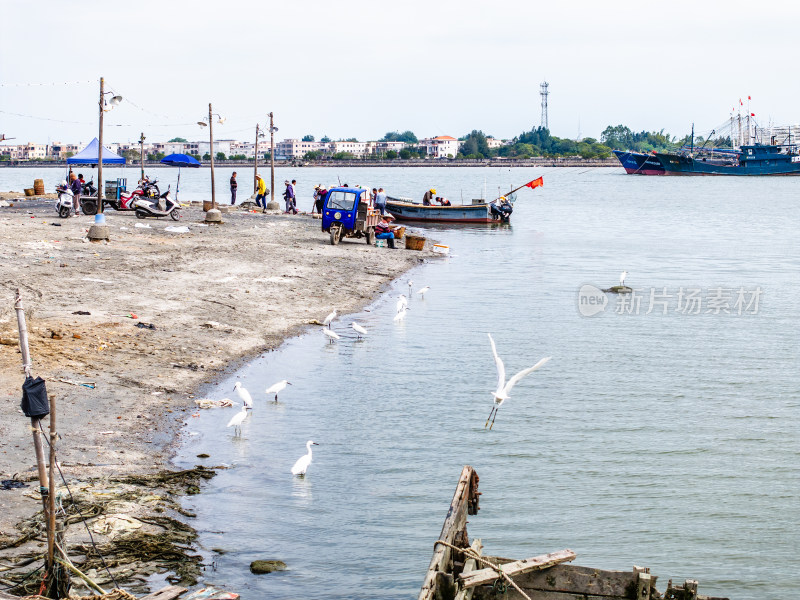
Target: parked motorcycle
[(64, 202), (150, 188), (126, 201), (163, 207)]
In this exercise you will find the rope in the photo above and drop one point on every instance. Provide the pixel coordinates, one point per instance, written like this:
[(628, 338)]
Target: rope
[(469, 552)]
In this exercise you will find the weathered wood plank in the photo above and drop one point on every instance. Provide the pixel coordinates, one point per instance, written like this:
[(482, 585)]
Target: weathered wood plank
[(5, 596), (454, 524), (518, 567), (486, 592), (470, 565), (168, 593), (581, 580)]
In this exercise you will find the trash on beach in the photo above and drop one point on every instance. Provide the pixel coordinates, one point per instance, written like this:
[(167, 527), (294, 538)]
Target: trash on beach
[(124, 228), (142, 226), (177, 229), (4, 204), (441, 249), (142, 325), (209, 403), (212, 593), (97, 280), (114, 525), (89, 384), (211, 325), (10, 484), (81, 312)]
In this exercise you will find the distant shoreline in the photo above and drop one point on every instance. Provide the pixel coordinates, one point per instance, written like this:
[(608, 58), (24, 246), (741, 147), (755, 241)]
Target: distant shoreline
[(531, 162)]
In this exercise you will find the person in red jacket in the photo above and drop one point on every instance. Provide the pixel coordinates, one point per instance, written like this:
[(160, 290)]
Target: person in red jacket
[(383, 230)]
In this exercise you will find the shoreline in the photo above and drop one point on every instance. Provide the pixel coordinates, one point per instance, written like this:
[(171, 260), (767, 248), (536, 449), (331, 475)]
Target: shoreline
[(299, 162), (217, 297)]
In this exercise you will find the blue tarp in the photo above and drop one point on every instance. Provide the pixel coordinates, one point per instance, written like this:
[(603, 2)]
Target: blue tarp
[(88, 156), (180, 160)]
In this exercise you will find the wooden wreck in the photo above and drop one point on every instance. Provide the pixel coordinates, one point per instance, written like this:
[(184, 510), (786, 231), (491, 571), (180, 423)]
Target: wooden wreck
[(459, 570)]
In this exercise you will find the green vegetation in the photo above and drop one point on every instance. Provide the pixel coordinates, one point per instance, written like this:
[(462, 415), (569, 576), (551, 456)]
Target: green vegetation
[(407, 136), (237, 157), (391, 154), (220, 156), (343, 156), (156, 156), (313, 155), (308, 138), (206, 156), (325, 139), (178, 139)]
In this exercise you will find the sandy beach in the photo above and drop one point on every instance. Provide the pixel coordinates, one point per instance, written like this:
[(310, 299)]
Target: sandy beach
[(214, 297)]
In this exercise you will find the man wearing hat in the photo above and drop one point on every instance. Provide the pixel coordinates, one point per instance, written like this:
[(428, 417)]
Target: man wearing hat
[(383, 230), (288, 196), (427, 199), (261, 192), (319, 197)]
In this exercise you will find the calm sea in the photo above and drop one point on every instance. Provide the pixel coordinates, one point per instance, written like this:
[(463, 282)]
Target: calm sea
[(663, 432)]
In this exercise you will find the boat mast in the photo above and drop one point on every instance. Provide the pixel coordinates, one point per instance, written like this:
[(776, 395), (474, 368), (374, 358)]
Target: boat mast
[(692, 148)]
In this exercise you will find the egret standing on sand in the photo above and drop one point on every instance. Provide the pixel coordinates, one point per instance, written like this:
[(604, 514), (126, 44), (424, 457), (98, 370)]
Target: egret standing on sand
[(332, 335), (237, 419), (301, 466), (622, 278), (423, 291), (277, 387), (329, 319), (503, 388), (358, 329), (244, 395)]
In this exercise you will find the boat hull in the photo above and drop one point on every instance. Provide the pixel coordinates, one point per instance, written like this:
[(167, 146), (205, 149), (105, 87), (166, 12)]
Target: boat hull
[(636, 163), (677, 164), (466, 213)]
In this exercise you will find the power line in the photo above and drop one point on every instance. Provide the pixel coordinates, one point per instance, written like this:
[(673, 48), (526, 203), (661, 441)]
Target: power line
[(48, 83)]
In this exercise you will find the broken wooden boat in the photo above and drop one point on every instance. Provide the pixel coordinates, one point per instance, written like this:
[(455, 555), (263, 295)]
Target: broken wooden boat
[(459, 570)]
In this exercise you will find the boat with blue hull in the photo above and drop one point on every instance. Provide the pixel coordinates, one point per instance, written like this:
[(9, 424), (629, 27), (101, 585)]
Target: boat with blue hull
[(758, 159), (636, 163), (404, 209)]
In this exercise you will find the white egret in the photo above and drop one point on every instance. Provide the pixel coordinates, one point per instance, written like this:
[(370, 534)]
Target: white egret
[(301, 466), (402, 302), (244, 395), (503, 387), (410, 284), (359, 329), (237, 420), (423, 291), (277, 387), (401, 314), (329, 319), (332, 335), (622, 278)]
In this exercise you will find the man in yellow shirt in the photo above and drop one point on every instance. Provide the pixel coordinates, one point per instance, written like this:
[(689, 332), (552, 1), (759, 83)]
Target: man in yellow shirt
[(261, 192)]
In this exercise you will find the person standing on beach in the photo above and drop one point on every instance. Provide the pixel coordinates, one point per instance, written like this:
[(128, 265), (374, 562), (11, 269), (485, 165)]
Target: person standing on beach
[(380, 201), (294, 200), (234, 187), (76, 188), (261, 192), (289, 197)]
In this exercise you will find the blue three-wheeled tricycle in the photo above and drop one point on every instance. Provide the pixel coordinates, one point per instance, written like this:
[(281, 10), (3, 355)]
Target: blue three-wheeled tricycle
[(346, 213)]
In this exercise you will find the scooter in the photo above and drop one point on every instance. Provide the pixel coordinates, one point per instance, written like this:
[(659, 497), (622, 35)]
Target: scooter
[(64, 203), (163, 207), (126, 201)]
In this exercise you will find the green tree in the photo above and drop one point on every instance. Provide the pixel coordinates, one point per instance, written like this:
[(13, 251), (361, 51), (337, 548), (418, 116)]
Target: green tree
[(220, 156), (475, 145), (325, 139), (237, 157), (405, 153), (343, 156), (391, 154), (177, 139), (352, 139), (407, 136), (206, 156), (155, 156), (312, 155), (308, 138), (195, 156)]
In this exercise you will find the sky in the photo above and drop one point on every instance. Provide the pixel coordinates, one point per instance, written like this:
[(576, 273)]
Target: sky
[(352, 68)]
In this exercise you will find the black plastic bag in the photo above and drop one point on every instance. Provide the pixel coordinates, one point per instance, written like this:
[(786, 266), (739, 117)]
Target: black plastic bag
[(34, 398)]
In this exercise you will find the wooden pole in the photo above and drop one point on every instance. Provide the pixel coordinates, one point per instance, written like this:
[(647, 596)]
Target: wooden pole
[(37, 438), (255, 163), (141, 157), (211, 152), (100, 152), (51, 517), (271, 159)]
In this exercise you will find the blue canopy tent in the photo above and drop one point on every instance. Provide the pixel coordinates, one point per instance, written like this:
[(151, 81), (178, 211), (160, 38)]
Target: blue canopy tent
[(180, 160), (89, 156)]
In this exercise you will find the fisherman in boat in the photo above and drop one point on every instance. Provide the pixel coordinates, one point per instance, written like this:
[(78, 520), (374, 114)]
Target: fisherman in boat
[(427, 199), (443, 201)]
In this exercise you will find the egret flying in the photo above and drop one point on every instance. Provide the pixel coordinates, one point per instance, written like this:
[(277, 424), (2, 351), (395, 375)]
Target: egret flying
[(332, 335), (237, 420), (503, 387), (244, 395), (301, 466), (622, 278), (402, 303), (359, 329), (277, 387), (423, 291), (401, 314), (329, 319)]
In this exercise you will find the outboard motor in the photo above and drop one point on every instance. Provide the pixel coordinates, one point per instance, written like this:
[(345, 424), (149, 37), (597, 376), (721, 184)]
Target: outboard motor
[(501, 209)]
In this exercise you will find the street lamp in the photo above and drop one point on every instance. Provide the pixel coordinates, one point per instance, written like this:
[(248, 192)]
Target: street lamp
[(99, 231), (216, 217), (272, 129)]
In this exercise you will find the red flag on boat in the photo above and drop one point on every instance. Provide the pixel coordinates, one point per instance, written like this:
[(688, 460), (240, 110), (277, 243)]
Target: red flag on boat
[(535, 183), (740, 102), (748, 98), (752, 114)]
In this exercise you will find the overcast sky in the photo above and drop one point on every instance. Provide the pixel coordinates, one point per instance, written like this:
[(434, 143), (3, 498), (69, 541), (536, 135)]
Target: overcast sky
[(351, 68)]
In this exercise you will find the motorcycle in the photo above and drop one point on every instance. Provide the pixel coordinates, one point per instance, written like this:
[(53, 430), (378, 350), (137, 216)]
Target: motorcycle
[(163, 207), (64, 202), (150, 188), (126, 201)]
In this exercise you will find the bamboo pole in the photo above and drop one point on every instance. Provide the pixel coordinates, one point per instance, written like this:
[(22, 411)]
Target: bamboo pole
[(51, 517)]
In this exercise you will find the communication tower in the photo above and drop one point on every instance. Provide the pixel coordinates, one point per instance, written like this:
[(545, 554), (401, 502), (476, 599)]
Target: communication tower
[(543, 92)]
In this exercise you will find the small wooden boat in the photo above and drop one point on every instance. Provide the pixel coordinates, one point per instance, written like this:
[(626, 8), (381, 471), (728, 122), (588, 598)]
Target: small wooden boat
[(403, 209), (459, 571)]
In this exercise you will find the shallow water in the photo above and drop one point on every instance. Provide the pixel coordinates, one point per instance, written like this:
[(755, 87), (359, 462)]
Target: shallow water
[(668, 441)]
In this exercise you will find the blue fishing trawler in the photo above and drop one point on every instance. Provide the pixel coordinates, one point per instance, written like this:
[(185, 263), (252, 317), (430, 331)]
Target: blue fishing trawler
[(756, 159), (636, 163)]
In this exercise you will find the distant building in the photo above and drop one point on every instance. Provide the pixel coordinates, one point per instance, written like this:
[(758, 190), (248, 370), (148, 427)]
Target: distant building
[(384, 147), (443, 146), (493, 143)]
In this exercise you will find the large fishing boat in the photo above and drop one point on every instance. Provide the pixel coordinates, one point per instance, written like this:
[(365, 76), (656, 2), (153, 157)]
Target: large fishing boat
[(756, 159), (636, 163)]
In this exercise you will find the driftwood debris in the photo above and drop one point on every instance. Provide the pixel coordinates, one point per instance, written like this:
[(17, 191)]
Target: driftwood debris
[(518, 567)]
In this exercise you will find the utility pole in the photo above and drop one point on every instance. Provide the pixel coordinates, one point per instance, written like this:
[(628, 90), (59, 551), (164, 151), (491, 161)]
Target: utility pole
[(255, 162), (100, 186), (211, 152), (141, 153)]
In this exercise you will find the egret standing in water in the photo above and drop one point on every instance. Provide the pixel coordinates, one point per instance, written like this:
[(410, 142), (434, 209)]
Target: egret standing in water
[(244, 395), (329, 319), (503, 387), (332, 335), (401, 314), (237, 420), (277, 387), (359, 329), (301, 466), (423, 291), (402, 303), (410, 284), (622, 278)]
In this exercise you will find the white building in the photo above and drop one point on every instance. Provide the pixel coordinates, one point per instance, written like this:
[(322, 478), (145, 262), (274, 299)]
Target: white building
[(293, 148), (442, 146), (493, 143), (384, 147)]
